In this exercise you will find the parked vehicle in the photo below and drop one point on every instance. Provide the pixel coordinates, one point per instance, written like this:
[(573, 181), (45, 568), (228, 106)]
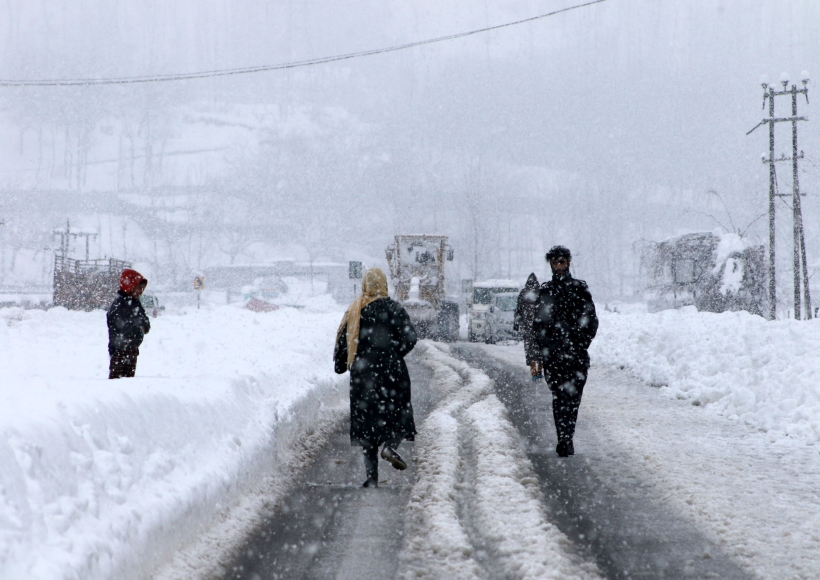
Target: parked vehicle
[(151, 304), (714, 272), (499, 318), (86, 284), (479, 304)]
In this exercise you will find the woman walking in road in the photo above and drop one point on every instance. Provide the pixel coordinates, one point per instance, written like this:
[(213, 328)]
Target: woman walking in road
[(374, 337)]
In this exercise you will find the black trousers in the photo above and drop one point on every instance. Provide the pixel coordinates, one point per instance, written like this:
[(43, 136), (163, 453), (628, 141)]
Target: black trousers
[(123, 363), (532, 352), (370, 449), (567, 385)]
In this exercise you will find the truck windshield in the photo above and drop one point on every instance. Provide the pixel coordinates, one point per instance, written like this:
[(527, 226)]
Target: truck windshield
[(485, 295), (482, 295)]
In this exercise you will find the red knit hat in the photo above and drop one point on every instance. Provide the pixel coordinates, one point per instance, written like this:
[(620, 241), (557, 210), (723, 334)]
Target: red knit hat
[(130, 279)]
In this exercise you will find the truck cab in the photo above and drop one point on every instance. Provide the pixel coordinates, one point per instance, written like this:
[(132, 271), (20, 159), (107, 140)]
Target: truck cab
[(417, 273)]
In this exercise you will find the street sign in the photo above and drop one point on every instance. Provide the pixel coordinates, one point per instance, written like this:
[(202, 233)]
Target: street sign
[(355, 270), (199, 283)]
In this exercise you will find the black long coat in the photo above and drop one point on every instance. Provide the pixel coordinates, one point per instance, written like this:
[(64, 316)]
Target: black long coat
[(565, 323), (525, 310), (380, 407), (127, 323)]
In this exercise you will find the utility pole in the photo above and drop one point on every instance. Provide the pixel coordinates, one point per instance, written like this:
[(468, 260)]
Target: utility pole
[(65, 237), (799, 238), (799, 256), (772, 198)]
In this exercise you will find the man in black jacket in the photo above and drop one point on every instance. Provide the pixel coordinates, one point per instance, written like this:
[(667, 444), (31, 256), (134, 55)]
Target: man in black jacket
[(127, 325), (564, 325)]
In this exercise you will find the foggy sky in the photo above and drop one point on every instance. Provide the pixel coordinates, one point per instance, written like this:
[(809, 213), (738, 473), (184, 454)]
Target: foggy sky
[(594, 128)]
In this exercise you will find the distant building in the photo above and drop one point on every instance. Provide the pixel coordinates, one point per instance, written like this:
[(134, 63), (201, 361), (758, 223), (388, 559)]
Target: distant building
[(715, 272)]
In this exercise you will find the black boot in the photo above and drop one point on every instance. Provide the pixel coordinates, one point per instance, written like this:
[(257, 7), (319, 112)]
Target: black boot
[(565, 448), (391, 455), (371, 465)]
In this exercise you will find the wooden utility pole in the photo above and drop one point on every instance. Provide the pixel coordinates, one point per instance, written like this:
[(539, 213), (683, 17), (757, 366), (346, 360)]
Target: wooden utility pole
[(799, 255), (799, 238), (772, 198)]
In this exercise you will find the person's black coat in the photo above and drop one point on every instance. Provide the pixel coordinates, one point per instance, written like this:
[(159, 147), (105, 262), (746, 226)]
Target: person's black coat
[(565, 322), (380, 407), (525, 310), (127, 323)]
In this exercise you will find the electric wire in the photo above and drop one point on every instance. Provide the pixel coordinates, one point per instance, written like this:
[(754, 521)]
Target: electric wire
[(273, 67)]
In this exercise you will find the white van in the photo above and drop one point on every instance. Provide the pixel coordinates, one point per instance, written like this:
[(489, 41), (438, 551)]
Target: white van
[(480, 304)]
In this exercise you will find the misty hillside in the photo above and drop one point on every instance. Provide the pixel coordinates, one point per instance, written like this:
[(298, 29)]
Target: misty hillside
[(594, 128)]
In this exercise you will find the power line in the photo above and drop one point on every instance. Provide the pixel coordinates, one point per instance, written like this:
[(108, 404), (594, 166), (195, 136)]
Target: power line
[(272, 67)]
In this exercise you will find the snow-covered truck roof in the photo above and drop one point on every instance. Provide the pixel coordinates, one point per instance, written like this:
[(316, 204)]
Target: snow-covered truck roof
[(499, 283)]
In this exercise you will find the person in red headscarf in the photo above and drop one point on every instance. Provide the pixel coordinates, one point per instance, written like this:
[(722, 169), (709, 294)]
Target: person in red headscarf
[(127, 325)]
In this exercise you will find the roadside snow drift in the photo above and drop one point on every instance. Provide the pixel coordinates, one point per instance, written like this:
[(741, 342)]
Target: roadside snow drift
[(109, 479), (765, 373)]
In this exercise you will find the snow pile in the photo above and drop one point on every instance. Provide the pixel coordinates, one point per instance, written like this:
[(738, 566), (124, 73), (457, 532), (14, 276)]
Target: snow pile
[(108, 479), (729, 244), (765, 373), (470, 455), (728, 257)]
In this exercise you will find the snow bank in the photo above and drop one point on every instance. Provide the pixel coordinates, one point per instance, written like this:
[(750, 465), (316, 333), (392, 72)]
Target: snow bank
[(470, 455), (765, 373), (108, 479)]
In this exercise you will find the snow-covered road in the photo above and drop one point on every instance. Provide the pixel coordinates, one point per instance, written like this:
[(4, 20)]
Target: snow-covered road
[(658, 489), (696, 452), (729, 490), (441, 518)]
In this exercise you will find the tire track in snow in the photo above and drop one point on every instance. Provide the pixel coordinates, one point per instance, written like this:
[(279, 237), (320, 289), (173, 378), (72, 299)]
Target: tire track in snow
[(596, 497), (475, 510)]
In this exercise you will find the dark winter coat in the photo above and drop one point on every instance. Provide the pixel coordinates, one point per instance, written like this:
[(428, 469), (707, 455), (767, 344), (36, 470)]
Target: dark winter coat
[(524, 314), (127, 323), (565, 322), (380, 407)]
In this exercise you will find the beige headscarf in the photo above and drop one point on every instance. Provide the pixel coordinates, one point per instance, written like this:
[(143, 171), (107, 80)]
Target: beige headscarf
[(374, 286)]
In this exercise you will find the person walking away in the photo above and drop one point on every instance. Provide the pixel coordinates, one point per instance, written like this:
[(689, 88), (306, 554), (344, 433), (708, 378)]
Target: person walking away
[(564, 325), (127, 325), (373, 338), (522, 321)]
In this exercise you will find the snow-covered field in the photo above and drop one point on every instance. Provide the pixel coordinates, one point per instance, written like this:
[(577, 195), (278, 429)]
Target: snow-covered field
[(108, 479)]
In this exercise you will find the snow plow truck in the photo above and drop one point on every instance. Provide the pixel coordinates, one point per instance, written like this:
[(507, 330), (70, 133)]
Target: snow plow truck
[(417, 272)]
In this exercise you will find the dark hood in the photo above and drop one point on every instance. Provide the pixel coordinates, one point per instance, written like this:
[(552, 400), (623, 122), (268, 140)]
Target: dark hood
[(532, 282)]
